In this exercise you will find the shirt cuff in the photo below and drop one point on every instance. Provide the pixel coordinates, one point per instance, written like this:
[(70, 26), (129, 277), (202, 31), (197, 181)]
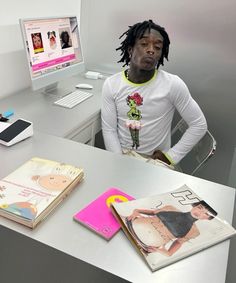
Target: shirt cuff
[(169, 158)]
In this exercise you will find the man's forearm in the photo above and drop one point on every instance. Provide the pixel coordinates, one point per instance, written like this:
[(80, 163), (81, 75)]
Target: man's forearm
[(112, 142)]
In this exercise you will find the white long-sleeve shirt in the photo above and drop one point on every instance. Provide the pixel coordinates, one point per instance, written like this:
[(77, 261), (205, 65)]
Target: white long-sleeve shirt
[(157, 100)]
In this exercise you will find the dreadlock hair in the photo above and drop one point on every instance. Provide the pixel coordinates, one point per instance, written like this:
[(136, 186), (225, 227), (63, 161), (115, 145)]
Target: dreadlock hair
[(136, 32)]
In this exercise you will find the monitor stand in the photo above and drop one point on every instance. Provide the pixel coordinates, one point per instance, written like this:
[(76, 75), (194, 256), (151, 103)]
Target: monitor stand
[(55, 91)]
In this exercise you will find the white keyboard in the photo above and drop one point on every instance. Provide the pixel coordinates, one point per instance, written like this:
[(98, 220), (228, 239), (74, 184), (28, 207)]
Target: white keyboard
[(73, 99)]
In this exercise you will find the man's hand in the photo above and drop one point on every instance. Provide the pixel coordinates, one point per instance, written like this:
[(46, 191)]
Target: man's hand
[(160, 156)]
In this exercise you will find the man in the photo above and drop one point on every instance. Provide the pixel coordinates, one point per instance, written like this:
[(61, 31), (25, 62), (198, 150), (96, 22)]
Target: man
[(167, 225), (139, 103)]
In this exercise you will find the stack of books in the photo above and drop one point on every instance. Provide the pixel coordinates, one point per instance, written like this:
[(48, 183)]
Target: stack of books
[(33, 190)]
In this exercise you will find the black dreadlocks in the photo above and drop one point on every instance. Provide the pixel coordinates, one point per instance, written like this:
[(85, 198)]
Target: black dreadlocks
[(136, 32)]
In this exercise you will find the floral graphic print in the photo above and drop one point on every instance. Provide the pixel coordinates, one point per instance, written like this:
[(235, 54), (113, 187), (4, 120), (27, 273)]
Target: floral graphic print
[(134, 115)]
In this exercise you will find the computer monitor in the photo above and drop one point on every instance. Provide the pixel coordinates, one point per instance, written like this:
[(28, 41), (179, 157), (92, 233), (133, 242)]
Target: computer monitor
[(53, 49)]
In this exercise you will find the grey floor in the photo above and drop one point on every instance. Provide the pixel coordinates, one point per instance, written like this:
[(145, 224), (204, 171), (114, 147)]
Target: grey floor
[(221, 168)]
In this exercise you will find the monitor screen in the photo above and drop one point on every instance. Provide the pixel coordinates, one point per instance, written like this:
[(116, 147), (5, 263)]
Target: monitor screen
[(53, 49)]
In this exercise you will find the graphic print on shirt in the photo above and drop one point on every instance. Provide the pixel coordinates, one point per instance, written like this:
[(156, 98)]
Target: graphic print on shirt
[(134, 115)]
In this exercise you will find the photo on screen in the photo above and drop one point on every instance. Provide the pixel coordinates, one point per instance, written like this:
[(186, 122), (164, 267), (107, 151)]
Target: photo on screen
[(37, 42), (65, 37), (52, 37)]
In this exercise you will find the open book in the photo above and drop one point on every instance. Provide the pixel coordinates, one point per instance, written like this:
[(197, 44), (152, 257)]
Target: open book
[(34, 189), (168, 227)]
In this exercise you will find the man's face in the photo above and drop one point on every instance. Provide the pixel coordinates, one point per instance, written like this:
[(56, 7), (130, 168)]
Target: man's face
[(200, 212), (146, 51)]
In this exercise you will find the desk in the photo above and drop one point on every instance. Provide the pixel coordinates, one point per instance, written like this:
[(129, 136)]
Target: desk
[(117, 257), (80, 123)]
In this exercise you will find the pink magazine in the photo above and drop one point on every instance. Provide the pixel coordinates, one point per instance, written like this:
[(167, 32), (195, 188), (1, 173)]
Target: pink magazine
[(98, 216)]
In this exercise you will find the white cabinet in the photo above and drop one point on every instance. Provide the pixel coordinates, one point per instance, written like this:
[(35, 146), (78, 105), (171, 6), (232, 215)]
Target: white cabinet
[(86, 133)]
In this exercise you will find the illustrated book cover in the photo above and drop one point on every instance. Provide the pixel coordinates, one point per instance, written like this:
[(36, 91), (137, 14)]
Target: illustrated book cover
[(168, 227), (34, 189), (97, 215)]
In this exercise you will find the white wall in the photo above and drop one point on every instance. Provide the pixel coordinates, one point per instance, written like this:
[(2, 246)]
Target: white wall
[(14, 73), (201, 32)]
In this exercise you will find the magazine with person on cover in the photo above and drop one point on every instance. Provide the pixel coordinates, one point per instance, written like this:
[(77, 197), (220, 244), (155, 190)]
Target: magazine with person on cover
[(168, 227)]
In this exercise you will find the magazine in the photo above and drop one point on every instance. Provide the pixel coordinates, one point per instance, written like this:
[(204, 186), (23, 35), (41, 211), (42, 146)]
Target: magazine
[(97, 215), (168, 227), (34, 189)]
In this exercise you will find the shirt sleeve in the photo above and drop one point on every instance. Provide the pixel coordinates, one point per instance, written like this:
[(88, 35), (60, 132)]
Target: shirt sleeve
[(193, 116), (109, 119)]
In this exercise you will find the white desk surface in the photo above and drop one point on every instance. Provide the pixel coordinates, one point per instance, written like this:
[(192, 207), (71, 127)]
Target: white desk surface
[(52, 119), (103, 170)]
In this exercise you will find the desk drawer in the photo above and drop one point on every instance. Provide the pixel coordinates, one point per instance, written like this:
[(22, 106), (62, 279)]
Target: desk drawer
[(84, 136)]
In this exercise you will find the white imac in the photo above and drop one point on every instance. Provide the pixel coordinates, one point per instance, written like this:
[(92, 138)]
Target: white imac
[(53, 49)]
